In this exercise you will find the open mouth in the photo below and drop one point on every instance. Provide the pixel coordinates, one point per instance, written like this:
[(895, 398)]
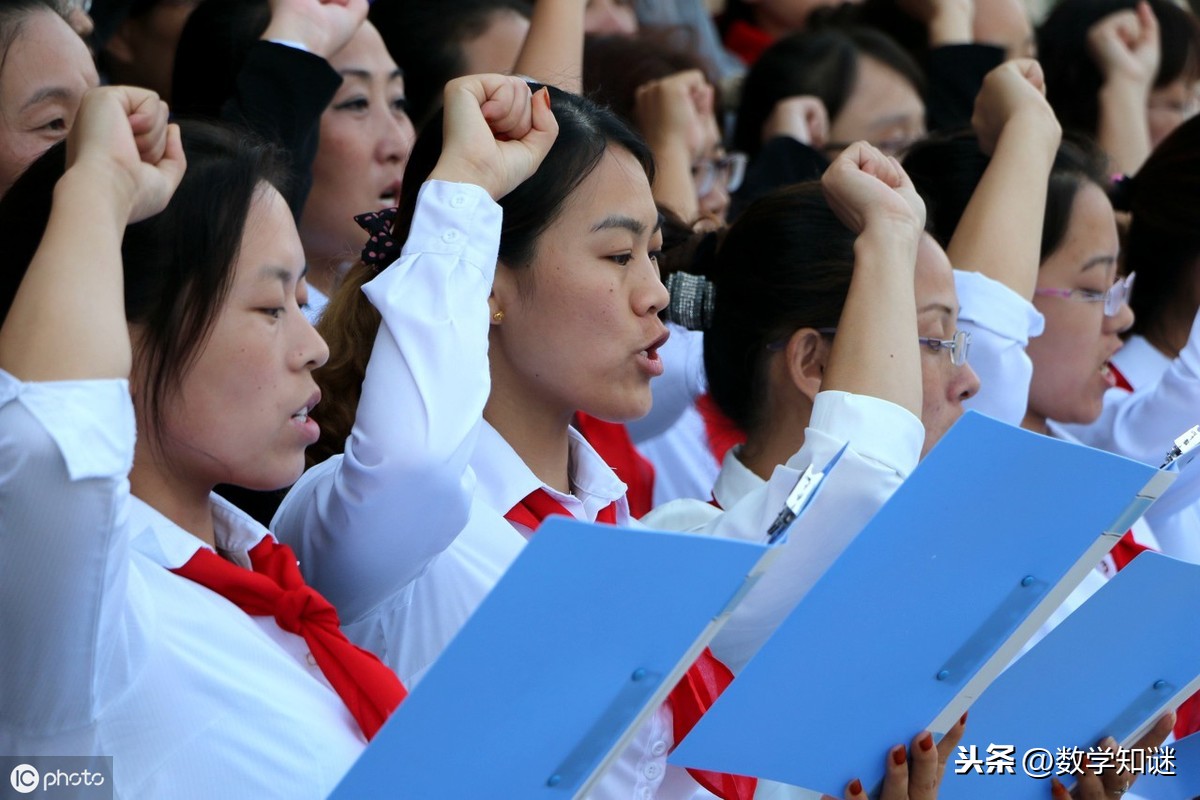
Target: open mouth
[(302, 414)]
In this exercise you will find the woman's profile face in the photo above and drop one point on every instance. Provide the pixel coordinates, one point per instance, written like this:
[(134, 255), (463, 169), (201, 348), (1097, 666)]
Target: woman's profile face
[(240, 414), (1070, 359), (883, 109), (366, 138), (580, 330), (43, 76), (944, 385), (1170, 106)]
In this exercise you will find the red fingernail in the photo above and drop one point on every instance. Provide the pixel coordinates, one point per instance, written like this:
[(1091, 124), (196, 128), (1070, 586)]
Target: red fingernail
[(963, 719), (926, 742), (1057, 789), (899, 755), (855, 786)]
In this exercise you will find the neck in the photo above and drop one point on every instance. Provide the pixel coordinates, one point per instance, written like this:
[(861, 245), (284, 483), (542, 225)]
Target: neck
[(154, 483), (1035, 422), (775, 442), (536, 430)]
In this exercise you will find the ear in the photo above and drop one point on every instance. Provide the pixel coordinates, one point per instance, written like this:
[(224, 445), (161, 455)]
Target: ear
[(807, 354), (503, 297)]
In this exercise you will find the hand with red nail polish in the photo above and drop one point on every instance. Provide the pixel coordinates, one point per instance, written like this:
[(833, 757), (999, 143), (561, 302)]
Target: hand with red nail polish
[(1104, 784), (914, 772)]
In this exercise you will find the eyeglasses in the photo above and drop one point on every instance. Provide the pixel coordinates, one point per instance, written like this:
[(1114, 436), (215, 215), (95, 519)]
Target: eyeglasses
[(958, 346), (83, 5), (1113, 299), (729, 170)]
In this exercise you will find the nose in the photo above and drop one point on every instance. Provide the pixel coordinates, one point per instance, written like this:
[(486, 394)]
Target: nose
[(1119, 322), (716, 202), (651, 296), (311, 350), (966, 382), (396, 138)]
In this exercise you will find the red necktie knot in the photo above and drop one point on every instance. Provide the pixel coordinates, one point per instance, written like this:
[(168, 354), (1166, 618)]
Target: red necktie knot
[(297, 606)]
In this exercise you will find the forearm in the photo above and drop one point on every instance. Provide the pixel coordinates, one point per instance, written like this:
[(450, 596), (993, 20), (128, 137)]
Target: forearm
[(875, 351), (673, 185), (1000, 232), (553, 49), (68, 318), (1122, 129)]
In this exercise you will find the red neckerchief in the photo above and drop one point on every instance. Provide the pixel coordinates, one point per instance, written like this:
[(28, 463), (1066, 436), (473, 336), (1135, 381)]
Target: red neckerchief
[(275, 588), (611, 440), (701, 685)]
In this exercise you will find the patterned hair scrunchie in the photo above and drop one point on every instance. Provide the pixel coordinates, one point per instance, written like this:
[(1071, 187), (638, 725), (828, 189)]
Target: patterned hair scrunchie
[(381, 249)]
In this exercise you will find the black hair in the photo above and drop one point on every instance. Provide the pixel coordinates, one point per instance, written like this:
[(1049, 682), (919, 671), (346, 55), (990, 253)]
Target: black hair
[(821, 63), (785, 264), (1163, 243), (178, 265), (1073, 79), (947, 169), (425, 39), (211, 51)]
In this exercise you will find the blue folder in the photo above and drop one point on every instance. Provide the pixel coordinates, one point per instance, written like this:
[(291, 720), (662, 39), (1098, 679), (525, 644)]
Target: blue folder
[(582, 637), (1111, 668), (924, 608), (1184, 784)]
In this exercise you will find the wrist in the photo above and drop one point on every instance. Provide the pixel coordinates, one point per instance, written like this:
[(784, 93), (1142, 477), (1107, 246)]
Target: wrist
[(888, 240), (98, 191), (300, 32), (1121, 87)]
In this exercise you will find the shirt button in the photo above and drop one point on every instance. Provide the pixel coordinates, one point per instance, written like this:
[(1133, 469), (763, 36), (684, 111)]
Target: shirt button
[(458, 201), (450, 237), (652, 771), (659, 748), (312, 662)]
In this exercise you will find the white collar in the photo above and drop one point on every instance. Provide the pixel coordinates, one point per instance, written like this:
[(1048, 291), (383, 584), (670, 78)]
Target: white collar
[(735, 480), (504, 480), (167, 544), (1140, 362)]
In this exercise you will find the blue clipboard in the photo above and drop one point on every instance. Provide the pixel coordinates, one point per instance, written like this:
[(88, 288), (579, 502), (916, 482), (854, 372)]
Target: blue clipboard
[(582, 637), (924, 608), (1080, 684), (1184, 784)]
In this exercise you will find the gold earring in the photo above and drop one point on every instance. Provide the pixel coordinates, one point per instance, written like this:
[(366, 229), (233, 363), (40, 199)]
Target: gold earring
[(498, 316)]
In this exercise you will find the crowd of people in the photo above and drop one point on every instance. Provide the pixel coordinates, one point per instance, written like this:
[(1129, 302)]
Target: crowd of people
[(312, 311)]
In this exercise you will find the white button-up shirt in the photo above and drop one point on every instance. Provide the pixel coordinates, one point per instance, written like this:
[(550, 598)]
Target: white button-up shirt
[(107, 652)]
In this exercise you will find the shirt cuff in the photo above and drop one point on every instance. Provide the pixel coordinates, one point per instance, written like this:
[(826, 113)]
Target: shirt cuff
[(456, 219), (91, 422), (990, 304), (875, 429)]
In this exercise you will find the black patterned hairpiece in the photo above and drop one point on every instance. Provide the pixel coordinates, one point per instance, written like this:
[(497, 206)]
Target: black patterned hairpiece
[(381, 249)]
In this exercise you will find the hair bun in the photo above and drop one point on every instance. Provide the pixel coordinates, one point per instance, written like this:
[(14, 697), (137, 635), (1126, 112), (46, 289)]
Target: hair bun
[(693, 301)]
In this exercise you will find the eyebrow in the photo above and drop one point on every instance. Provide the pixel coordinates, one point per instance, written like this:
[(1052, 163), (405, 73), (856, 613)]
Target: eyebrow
[(941, 308), (363, 74), (626, 223), (282, 274), (1097, 261), (59, 93)]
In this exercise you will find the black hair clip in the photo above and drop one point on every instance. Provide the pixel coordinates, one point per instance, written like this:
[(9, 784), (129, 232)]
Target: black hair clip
[(381, 249), (693, 300)]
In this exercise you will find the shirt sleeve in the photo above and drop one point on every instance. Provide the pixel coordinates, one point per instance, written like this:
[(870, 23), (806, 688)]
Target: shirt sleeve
[(65, 453), (883, 444), (367, 523), (1001, 323)]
